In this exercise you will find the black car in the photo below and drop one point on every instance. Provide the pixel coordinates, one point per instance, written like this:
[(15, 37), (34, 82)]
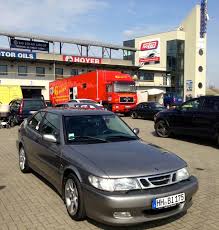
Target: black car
[(23, 108), (197, 117), (146, 110)]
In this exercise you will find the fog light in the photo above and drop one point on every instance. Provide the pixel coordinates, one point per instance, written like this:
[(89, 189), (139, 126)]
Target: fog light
[(122, 215)]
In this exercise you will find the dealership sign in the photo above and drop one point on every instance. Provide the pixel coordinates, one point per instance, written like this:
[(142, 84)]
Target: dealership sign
[(149, 52), (17, 54), (30, 45), (79, 59)]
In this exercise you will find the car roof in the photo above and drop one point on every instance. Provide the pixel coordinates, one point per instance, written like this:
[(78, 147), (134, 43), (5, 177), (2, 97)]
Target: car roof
[(76, 112)]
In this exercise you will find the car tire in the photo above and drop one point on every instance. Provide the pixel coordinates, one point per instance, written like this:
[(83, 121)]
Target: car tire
[(162, 129), (23, 162), (134, 115), (73, 197)]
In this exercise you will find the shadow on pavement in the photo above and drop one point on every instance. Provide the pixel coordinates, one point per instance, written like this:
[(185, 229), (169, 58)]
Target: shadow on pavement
[(192, 139), (147, 225), (2, 187)]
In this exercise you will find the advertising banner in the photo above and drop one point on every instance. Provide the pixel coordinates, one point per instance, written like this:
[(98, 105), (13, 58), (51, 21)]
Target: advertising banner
[(149, 52), (17, 54), (79, 59), (189, 85), (29, 45)]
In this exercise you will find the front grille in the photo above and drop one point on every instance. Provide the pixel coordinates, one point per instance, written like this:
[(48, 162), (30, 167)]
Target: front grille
[(158, 180), (126, 99)]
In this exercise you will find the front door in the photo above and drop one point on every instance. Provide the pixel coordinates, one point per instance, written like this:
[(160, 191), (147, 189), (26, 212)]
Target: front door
[(182, 119), (49, 153)]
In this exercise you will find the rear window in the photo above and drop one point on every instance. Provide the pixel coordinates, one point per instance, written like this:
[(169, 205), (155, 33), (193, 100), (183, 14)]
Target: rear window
[(87, 101), (34, 104)]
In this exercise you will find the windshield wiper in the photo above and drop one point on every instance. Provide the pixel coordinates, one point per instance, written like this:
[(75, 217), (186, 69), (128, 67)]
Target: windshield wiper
[(84, 138), (121, 137)]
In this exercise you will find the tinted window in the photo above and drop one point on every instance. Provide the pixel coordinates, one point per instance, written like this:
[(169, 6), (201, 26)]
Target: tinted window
[(191, 105), (34, 123), (211, 105), (34, 105), (51, 124)]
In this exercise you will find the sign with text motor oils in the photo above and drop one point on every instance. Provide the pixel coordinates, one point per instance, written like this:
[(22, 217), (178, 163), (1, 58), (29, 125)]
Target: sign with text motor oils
[(149, 52)]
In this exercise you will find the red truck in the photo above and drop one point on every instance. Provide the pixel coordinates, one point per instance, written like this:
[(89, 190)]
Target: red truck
[(113, 89)]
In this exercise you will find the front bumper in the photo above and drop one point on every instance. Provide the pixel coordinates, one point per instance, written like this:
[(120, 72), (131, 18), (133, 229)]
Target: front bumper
[(101, 205)]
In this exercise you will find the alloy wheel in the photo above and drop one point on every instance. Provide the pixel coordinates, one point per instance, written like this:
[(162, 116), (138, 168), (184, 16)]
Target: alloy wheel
[(162, 129), (71, 197)]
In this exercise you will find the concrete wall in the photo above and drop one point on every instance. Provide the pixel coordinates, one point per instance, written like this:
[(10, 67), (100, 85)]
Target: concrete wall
[(193, 60)]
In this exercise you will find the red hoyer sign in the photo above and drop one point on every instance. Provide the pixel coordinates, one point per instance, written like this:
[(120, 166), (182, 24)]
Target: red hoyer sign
[(80, 59)]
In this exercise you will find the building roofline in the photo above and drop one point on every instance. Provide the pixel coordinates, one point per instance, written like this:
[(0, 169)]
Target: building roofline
[(65, 40)]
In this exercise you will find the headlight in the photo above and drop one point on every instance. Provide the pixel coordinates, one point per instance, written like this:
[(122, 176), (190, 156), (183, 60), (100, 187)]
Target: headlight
[(111, 185), (182, 174)]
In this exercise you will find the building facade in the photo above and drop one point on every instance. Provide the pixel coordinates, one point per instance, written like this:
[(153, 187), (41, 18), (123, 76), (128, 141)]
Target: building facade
[(173, 61), (179, 54)]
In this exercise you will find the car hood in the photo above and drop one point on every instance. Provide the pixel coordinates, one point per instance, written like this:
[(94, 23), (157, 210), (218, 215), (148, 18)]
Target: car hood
[(130, 158)]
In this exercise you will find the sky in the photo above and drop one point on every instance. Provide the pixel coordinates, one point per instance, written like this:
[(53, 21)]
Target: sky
[(110, 21)]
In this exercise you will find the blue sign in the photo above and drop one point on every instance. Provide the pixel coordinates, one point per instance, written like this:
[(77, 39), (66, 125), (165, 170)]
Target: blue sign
[(17, 54), (204, 18)]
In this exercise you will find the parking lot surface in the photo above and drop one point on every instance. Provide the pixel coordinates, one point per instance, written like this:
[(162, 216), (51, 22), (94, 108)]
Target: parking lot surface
[(28, 202)]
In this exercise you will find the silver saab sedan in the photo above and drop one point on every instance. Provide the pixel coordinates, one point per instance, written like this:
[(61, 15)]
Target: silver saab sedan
[(102, 169)]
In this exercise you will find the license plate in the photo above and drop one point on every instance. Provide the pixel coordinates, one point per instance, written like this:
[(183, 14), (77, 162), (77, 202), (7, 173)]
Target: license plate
[(168, 201), (127, 106), (32, 112)]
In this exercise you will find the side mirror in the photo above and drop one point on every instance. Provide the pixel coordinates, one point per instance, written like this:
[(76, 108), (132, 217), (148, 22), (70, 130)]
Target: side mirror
[(136, 131), (50, 138)]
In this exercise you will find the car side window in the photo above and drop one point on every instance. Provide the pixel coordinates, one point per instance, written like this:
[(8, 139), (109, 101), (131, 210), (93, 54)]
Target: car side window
[(211, 105), (51, 124), (191, 105), (36, 120)]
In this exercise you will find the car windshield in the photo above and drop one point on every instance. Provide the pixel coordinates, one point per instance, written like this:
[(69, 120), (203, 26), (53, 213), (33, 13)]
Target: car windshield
[(34, 104), (124, 87), (91, 129)]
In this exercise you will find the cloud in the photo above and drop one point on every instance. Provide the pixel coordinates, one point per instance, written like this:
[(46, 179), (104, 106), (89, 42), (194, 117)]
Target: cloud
[(143, 30), (47, 16)]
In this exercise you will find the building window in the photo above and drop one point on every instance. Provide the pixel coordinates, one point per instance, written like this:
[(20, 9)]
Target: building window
[(74, 72), (201, 52), (22, 70), (199, 85), (175, 65), (144, 76), (40, 71), (59, 71), (200, 68), (3, 70)]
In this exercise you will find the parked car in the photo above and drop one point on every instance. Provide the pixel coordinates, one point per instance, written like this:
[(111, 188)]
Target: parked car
[(81, 105), (146, 110), (84, 100), (172, 99), (102, 169), (23, 108), (197, 117)]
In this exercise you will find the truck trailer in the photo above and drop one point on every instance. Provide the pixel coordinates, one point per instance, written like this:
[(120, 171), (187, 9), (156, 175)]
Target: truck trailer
[(113, 89)]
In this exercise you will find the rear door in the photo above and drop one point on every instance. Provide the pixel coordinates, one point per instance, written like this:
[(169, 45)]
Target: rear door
[(207, 120), (32, 138)]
